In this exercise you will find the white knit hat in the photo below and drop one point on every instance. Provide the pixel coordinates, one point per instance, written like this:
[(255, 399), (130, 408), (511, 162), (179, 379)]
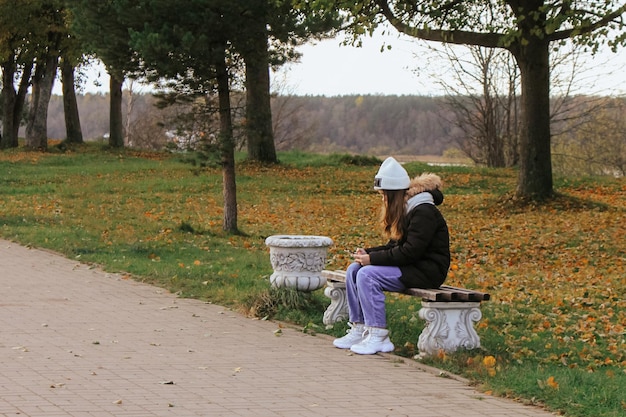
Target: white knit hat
[(391, 176)]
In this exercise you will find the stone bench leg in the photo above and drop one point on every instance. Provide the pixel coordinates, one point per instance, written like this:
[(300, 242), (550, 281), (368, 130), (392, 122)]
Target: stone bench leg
[(338, 308), (449, 326)]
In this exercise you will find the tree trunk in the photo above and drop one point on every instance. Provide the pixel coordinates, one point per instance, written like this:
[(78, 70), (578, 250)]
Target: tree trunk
[(9, 97), (116, 127), (130, 104), (259, 130), (13, 104), (37, 129), (512, 124), (73, 131), (535, 167), (34, 101), (228, 148)]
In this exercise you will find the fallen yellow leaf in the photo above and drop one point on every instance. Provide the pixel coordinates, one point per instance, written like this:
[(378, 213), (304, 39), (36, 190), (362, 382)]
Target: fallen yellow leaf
[(489, 361), (551, 382)]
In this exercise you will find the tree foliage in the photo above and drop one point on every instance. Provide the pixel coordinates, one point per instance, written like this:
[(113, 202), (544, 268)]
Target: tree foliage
[(263, 33), (19, 36), (50, 40), (33, 36)]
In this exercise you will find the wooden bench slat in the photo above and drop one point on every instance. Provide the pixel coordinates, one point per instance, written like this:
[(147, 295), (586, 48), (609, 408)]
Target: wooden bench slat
[(471, 295), (430, 294), (447, 293)]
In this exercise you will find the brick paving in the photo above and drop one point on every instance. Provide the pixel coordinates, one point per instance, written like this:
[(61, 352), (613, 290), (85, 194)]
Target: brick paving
[(77, 341)]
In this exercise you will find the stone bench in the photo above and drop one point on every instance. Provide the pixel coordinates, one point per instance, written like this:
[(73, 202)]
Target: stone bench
[(449, 313)]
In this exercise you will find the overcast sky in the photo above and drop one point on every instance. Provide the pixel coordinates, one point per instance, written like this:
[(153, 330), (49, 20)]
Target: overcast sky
[(409, 67), (330, 69)]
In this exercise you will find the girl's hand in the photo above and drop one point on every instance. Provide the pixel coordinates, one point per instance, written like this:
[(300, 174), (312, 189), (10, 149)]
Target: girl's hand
[(362, 257)]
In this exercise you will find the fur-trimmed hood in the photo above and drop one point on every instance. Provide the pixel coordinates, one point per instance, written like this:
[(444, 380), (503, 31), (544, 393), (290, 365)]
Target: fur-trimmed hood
[(427, 182)]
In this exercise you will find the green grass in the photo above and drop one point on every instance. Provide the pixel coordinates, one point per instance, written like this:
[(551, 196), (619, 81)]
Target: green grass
[(553, 333)]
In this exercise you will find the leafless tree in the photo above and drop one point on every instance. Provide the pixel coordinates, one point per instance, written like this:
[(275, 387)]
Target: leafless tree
[(483, 90), (596, 144), (291, 129)]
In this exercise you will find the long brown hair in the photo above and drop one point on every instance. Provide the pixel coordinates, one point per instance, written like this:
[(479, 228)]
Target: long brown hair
[(393, 213)]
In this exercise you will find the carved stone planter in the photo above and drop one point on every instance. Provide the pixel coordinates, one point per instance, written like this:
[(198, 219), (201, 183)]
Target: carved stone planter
[(298, 261)]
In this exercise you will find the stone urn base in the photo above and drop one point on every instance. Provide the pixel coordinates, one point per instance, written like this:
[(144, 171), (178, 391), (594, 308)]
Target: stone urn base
[(298, 261)]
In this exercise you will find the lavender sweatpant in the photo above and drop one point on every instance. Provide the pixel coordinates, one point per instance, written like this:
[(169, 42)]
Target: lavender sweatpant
[(364, 288)]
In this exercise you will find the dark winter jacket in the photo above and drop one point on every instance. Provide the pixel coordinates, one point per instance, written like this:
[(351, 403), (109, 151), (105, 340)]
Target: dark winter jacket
[(423, 254)]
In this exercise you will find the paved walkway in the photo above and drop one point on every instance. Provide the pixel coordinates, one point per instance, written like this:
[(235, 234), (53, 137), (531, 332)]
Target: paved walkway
[(76, 341)]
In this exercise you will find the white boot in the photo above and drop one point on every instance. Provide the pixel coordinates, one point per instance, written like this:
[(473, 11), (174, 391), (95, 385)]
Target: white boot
[(377, 340), (354, 335)]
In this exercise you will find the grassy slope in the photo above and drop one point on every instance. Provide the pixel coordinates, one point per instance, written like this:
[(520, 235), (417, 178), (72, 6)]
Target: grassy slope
[(553, 332)]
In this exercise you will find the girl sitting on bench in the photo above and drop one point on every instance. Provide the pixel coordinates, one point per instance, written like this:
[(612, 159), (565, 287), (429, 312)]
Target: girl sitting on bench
[(417, 255)]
